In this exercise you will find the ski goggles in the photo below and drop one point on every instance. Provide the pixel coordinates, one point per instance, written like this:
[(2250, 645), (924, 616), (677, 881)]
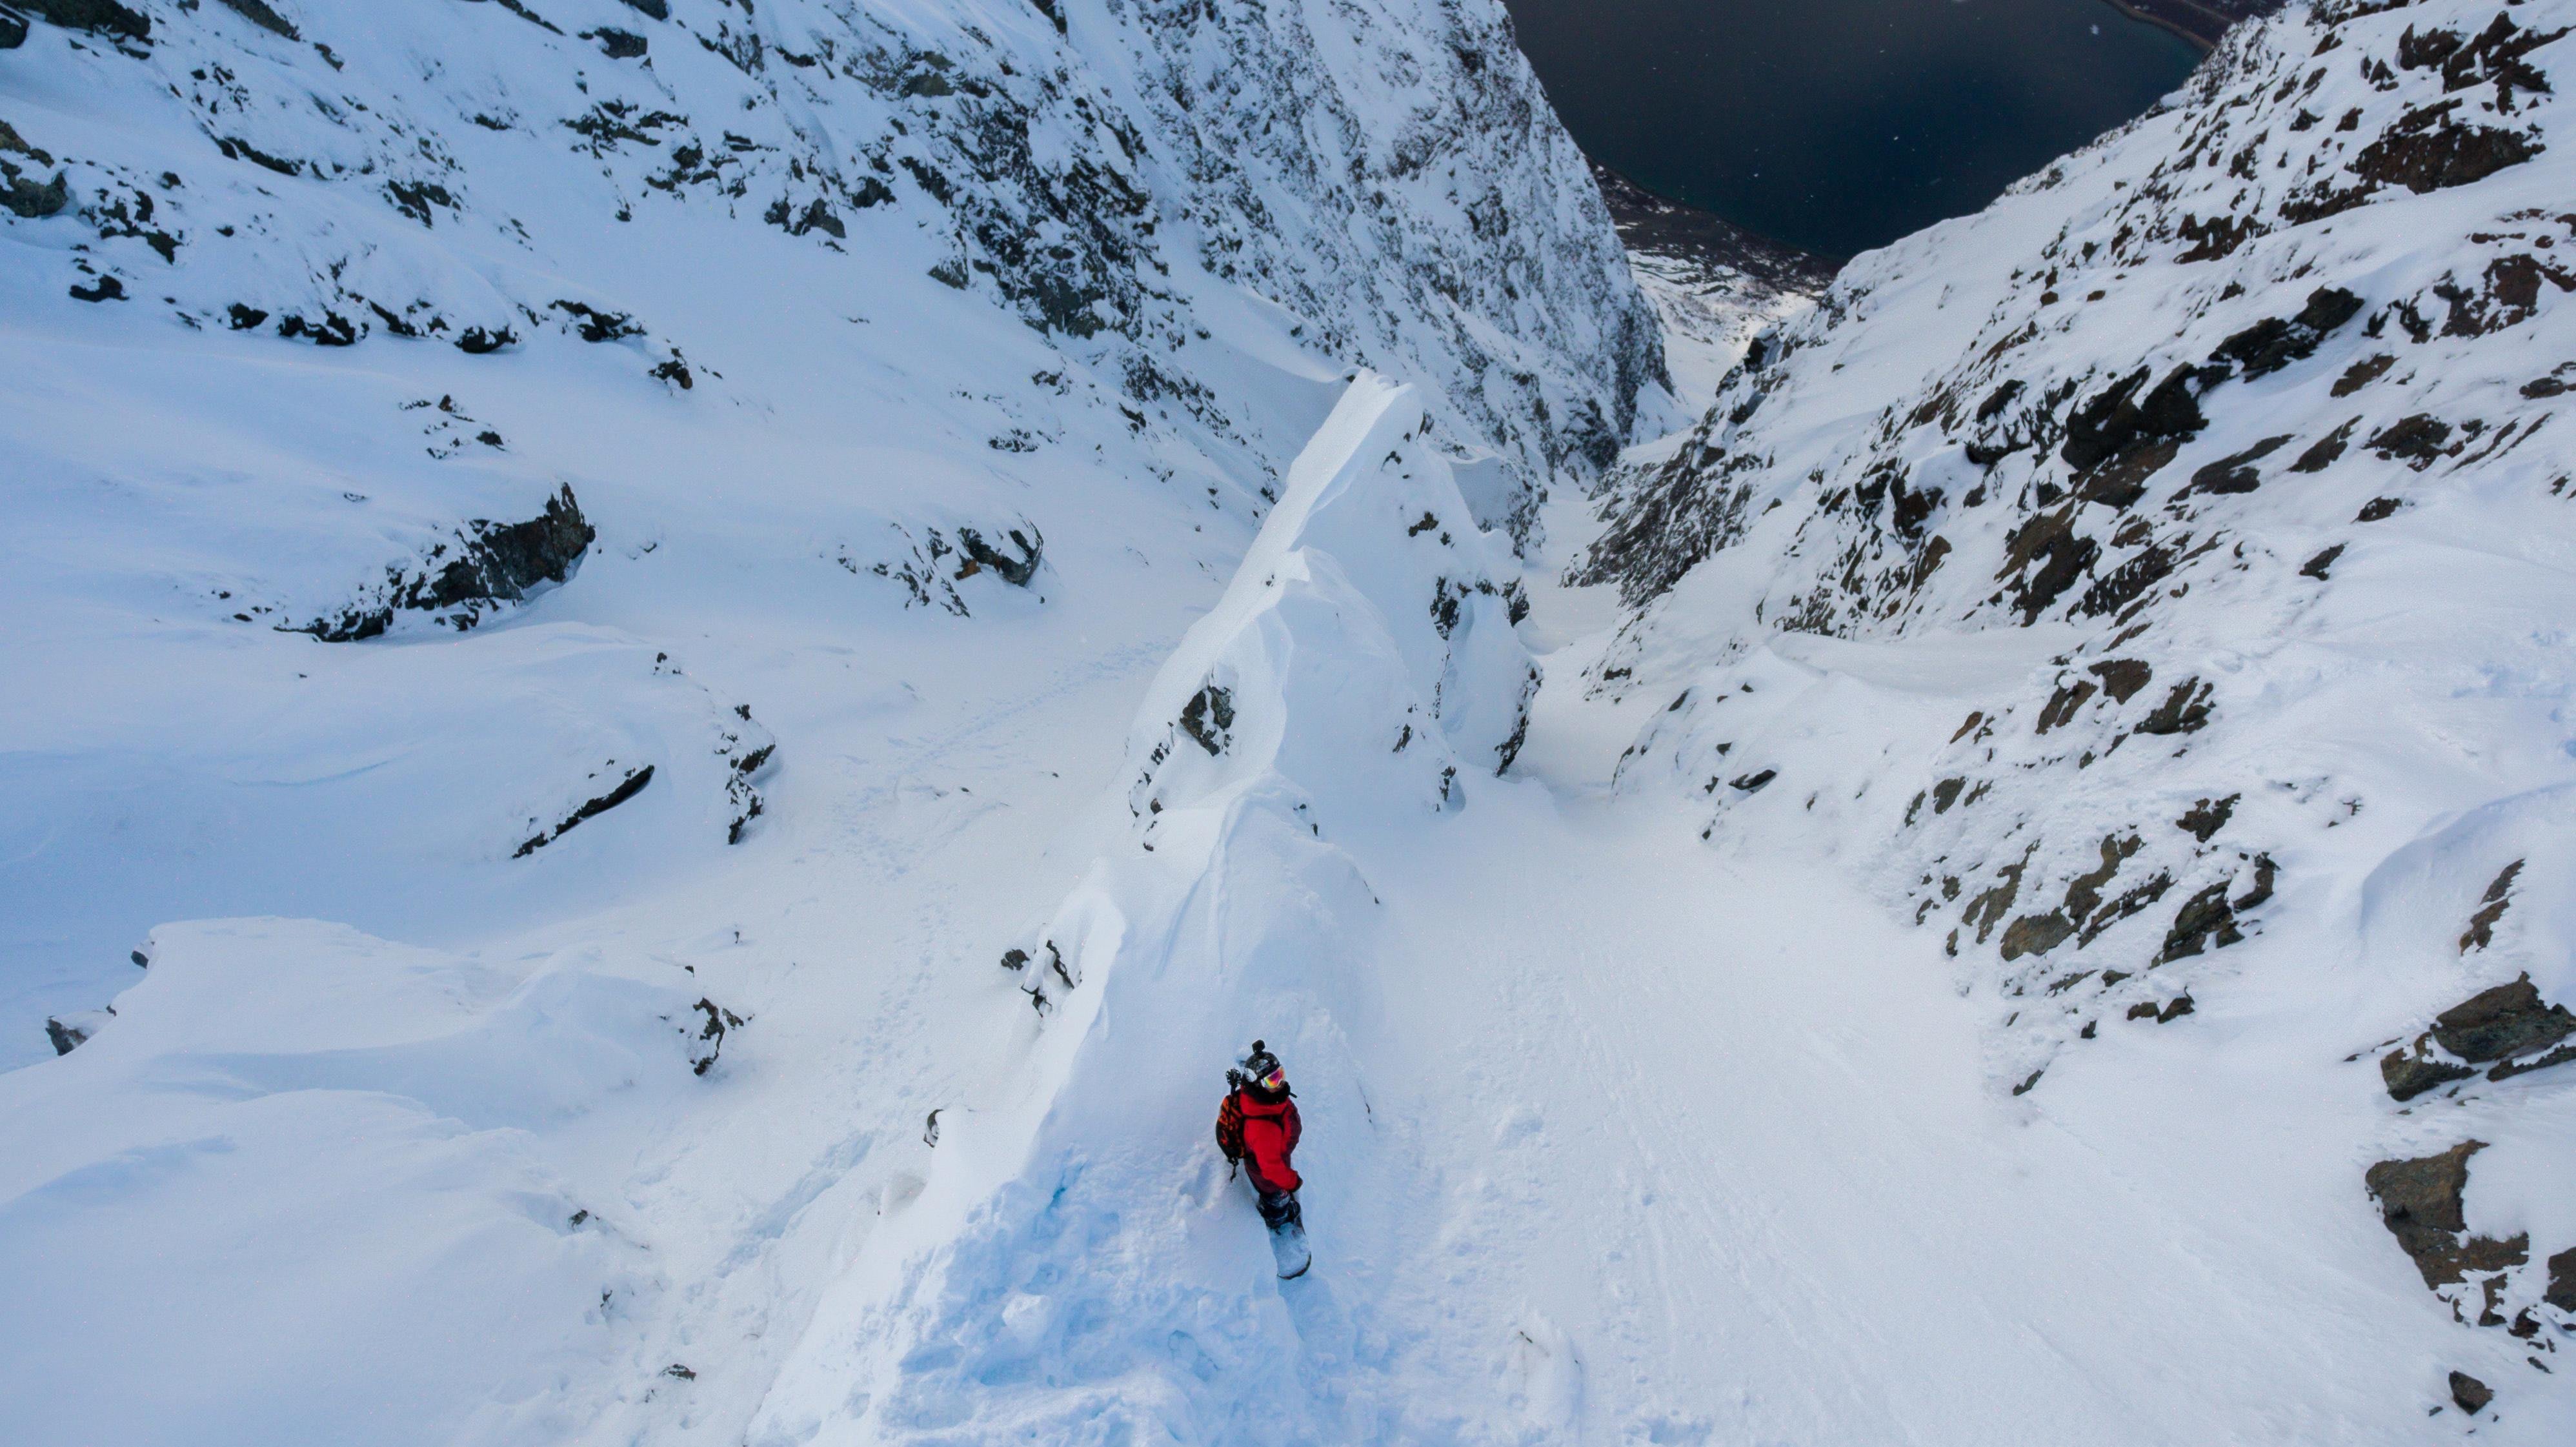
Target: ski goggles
[(1276, 1080)]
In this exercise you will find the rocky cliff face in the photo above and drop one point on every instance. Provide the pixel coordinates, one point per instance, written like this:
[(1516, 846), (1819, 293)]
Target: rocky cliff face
[(461, 174), (2167, 558)]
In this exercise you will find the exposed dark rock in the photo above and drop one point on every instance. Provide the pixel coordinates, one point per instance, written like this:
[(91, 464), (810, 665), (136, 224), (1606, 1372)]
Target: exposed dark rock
[(720, 1022), (2121, 481), (2469, 1394), (2511, 1068), (237, 149), (2117, 421), (2378, 510), (2496, 55), (627, 788), (2362, 373), (2491, 909), (2235, 474), (258, 13), (2125, 584), (2421, 1203), (2204, 819), (620, 44), (1757, 782), (2509, 1024), (2506, 1021), (2326, 450), (68, 1035), (2508, 296), (2540, 388), (598, 326), (2426, 150), (2266, 874), (2165, 1014), (520, 9), (2562, 1281), (2322, 564), (2122, 677), (13, 29), (478, 342), (2036, 934), (2063, 704), (334, 330), (2205, 920), (2275, 342), (245, 318), (2084, 892), (105, 17), (27, 200), (414, 198), (2417, 439), (104, 288), (2410, 1073), (2185, 710), (492, 563), (1209, 718), (658, 9), (1016, 571)]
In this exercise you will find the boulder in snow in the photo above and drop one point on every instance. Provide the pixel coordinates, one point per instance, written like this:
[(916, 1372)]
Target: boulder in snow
[(488, 564), (2421, 1203)]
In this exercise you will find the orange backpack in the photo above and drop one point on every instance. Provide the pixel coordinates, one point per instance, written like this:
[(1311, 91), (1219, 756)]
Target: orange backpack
[(1229, 1128)]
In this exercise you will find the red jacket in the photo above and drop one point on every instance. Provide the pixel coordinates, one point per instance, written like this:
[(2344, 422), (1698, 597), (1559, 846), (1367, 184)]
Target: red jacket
[(1270, 1131)]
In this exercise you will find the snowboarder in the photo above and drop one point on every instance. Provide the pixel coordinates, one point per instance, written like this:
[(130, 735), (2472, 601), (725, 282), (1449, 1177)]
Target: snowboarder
[(1257, 1128)]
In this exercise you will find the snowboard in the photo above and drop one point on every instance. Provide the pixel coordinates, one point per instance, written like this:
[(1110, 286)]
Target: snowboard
[(1288, 1244)]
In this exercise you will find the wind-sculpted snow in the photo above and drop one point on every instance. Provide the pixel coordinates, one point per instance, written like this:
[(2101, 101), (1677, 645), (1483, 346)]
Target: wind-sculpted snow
[(1079, 1267), (2131, 576), (301, 1182)]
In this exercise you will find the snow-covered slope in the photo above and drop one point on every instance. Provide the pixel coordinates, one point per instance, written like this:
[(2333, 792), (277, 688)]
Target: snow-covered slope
[(1075, 1269), (665, 509), (834, 296), (776, 629), (2153, 585)]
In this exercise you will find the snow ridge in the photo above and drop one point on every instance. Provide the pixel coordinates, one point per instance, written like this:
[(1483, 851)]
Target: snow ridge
[(1077, 1268)]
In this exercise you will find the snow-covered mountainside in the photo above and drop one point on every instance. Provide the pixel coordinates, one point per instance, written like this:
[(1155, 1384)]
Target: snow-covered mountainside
[(666, 509), (684, 670), (354, 319), (2156, 585)]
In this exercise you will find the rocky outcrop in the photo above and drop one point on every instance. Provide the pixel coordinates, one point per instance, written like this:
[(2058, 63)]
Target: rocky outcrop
[(2422, 1203), (69, 1032), (1398, 190), (99, 17), (2469, 1394), (627, 787), (466, 580), (2092, 409), (2509, 1026)]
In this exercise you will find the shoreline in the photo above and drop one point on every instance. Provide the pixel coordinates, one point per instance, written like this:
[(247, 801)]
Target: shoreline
[(2201, 24)]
